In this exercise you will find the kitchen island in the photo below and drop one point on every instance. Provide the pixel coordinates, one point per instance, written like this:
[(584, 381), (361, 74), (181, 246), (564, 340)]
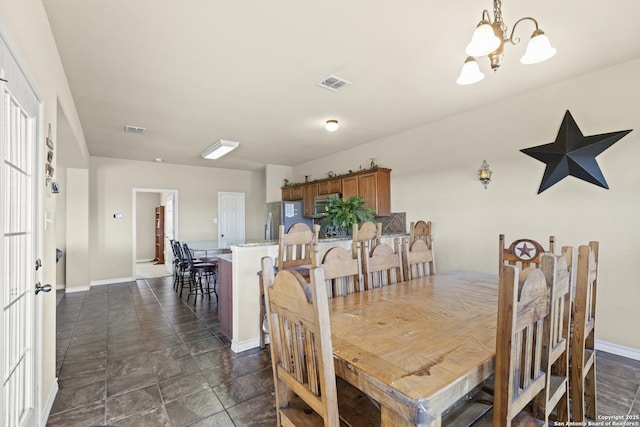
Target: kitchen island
[(239, 290)]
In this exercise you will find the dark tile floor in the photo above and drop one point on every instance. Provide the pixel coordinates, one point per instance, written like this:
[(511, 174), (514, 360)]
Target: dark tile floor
[(134, 354)]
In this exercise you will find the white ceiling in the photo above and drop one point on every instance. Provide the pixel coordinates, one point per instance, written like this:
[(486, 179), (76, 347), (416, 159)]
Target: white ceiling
[(195, 71)]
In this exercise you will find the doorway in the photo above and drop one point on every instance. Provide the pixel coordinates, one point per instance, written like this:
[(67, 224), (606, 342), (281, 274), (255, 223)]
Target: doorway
[(145, 200)]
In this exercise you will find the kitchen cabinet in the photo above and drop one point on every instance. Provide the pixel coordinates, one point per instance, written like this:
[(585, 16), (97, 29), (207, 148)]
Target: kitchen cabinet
[(375, 190), (330, 186), (225, 297), (349, 186), (310, 191), (373, 185), (294, 192), (159, 259)]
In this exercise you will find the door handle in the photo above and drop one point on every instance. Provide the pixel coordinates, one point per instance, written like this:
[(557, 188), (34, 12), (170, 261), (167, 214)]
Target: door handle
[(40, 287)]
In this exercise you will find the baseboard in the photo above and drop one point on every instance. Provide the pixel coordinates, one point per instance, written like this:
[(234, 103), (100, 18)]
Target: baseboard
[(46, 409), (240, 346), (111, 281), (72, 289), (631, 353)]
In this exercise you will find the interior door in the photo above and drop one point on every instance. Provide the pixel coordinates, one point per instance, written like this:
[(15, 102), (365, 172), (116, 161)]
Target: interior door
[(231, 216), (18, 136)]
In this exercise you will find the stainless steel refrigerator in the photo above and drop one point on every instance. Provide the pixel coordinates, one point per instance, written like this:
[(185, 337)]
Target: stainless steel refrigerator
[(285, 213)]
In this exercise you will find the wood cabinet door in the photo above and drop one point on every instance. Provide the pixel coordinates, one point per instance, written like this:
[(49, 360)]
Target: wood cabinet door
[(297, 192), (330, 187), (349, 187), (368, 190), (309, 193), (286, 194)]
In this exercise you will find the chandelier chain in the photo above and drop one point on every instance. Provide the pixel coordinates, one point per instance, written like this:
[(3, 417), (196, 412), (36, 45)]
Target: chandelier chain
[(497, 16)]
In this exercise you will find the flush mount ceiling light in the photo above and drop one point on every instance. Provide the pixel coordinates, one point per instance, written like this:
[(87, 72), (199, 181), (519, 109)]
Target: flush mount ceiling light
[(489, 39), (219, 149), (331, 125)]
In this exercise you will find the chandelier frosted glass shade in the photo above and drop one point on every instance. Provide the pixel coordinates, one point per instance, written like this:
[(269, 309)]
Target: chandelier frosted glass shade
[(538, 49), (484, 40), (470, 73)]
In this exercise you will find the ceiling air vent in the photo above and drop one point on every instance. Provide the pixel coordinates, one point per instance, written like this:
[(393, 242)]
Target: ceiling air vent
[(334, 83), (134, 129)]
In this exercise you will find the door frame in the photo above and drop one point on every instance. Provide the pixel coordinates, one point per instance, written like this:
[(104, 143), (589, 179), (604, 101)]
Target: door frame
[(134, 194), (40, 412)]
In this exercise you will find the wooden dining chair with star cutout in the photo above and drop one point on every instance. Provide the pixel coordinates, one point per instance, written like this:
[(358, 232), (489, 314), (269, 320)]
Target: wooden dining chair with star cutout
[(522, 252)]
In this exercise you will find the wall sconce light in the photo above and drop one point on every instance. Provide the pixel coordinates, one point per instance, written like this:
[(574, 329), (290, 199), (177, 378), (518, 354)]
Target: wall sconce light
[(484, 174)]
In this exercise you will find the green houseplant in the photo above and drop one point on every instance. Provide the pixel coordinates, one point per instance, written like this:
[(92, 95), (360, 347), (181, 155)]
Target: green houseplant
[(343, 213)]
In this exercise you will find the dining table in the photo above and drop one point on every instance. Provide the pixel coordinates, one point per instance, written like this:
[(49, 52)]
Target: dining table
[(418, 346)]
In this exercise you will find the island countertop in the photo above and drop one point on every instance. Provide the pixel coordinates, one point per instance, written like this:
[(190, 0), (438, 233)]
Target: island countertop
[(208, 245)]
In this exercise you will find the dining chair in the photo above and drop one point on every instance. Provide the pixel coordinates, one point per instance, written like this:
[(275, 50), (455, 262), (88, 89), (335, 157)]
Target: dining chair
[(555, 347), (297, 248), (583, 355), (365, 237), (342, 272), (200, 273), (302, 353), (523, 308), (420, 230), (522, 252), (383, 267), (417, 258)]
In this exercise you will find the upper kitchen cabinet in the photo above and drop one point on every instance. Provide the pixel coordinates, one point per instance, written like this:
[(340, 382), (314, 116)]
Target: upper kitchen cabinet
[(375, 190), (309, 192), (330, 186), (294, 192), (373, 185)]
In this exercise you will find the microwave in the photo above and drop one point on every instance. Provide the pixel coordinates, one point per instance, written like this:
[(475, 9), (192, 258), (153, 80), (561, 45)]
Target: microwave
[(320, 202)]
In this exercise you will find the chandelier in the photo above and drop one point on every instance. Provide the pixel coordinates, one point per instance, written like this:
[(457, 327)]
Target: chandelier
[(489, 39)]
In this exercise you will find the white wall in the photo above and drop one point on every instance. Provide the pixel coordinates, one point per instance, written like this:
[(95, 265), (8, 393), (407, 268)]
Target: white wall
[(435, 178), (112, 181), (77, 240), (274, 177)]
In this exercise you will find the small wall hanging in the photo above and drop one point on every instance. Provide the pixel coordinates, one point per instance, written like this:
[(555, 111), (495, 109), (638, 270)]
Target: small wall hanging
[(573, 154)]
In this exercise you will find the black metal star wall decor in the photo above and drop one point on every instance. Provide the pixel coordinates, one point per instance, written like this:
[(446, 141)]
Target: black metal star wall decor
[(573, 154)]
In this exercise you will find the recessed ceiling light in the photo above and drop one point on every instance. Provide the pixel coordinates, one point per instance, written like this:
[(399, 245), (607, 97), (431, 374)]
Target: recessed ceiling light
[(331, 125), (157, 159)]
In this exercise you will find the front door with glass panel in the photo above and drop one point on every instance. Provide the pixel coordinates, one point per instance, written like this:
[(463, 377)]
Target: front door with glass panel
[(18, 135)]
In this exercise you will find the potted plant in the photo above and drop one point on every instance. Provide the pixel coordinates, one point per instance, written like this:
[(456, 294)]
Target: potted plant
[(343, 213)]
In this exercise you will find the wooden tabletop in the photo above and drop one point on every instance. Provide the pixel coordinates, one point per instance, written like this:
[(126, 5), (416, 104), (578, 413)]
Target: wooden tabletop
[(418, 346)]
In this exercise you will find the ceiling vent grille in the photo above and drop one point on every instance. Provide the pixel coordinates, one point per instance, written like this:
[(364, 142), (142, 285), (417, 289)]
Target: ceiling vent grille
[(334, 83), (134, 129)]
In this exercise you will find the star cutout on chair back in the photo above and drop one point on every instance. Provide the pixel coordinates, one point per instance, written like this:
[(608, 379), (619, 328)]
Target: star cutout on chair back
[(573, 154)]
